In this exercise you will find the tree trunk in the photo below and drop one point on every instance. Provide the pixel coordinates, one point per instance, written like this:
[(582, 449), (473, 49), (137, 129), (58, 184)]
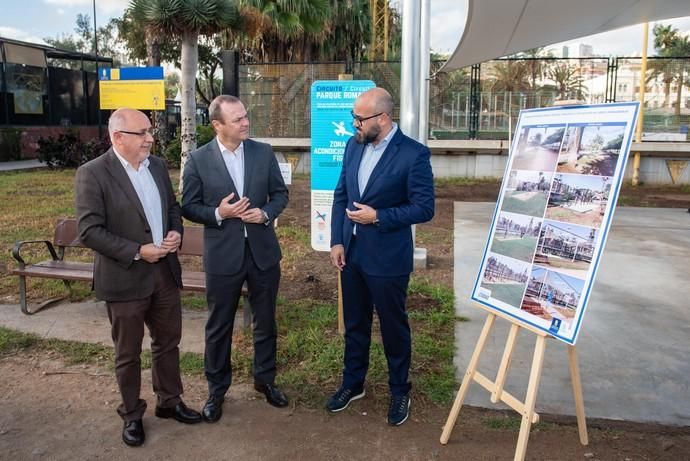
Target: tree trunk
[(189, 64), (153, 59), (679, 94)]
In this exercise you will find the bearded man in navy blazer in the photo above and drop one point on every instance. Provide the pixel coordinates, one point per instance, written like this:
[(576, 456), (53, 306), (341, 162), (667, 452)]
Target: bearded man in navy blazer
[(385, 186), (233, 186)]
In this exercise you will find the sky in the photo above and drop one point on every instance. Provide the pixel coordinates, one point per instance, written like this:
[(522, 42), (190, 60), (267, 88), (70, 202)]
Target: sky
[(33, 20)]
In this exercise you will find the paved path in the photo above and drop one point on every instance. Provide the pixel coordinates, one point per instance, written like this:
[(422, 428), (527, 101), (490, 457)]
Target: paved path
[(634, 344), (88, 322), (22, 165)]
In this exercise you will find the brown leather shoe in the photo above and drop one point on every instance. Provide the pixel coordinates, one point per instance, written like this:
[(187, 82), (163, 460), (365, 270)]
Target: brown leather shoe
[(274, 396)]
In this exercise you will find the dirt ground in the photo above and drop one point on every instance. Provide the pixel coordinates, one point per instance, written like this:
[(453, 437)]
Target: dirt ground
[(58, 412), (55, 412)]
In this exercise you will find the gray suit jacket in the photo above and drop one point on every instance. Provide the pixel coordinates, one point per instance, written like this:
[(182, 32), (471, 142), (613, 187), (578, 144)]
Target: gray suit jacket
[(207, 181), (111, 221)]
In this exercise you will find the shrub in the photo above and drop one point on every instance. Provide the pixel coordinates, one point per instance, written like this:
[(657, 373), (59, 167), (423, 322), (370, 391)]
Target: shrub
[(69, 151), (204, 133), (10, 144)]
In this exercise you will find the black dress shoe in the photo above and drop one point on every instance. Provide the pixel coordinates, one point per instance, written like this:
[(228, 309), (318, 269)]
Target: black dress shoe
[(213, 409), (179, 412), (133, 433), (274, 396)]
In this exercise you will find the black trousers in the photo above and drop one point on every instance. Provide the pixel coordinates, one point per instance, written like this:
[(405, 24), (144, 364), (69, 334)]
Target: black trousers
[(161, 313), (223, 294)]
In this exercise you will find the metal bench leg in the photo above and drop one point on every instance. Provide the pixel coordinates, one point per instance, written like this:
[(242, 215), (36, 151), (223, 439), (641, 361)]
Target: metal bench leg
[(246, 312), (23, 304)]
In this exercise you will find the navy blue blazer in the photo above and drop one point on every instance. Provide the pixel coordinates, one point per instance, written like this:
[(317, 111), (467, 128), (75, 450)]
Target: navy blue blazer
[(401, 189)]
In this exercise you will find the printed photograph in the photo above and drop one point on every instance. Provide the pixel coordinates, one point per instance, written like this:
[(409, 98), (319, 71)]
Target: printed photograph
[(505, 278), (592, 150), (566, 247), (552, 295), (579, 199), (527, 192), (516, 236), (538, 147)]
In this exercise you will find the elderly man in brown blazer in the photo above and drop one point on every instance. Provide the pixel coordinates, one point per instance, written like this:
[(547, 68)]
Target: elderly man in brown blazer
[(128, 214)]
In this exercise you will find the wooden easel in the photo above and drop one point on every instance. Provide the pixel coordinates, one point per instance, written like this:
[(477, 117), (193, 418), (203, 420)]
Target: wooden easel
[(526, 408)]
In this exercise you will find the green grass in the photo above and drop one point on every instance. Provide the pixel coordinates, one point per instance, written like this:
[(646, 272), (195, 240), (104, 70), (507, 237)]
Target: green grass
[(510, 293), (512, 423), (464, 181), (73, 352), (194, 302), (522, 249), (533, 206)]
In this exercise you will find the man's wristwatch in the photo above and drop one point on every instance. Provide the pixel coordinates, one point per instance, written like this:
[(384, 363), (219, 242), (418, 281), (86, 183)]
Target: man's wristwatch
[(375, 222), (266, 218), (137, 256)]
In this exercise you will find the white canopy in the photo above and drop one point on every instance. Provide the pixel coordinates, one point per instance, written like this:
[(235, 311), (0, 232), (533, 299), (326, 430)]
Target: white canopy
[(498, 28)]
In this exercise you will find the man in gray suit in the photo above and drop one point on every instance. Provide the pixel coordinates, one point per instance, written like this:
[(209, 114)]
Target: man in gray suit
[(233, 186), (127, 213)]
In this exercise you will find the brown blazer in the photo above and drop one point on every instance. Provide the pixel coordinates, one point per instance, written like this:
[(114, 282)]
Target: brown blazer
[(111, 221)]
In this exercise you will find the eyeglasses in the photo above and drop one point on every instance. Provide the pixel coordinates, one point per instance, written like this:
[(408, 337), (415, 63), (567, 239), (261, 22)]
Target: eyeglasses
[(151, 131), (361, 119)]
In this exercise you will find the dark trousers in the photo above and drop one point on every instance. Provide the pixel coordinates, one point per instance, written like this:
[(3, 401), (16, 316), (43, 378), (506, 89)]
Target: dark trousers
[(223, 294), (161, 313), (361, 293)]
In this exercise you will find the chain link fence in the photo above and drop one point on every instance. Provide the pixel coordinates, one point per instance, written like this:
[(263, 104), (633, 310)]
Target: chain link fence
[(278, 95)]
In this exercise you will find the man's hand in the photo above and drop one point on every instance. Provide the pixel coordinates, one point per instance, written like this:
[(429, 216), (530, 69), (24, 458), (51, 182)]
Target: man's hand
[(364, 214), (338, 257), (151, 253), (171, 242), (232, 210), (253, 216)]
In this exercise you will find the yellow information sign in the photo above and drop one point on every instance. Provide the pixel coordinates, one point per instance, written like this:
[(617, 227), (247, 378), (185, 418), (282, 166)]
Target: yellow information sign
[(136, 94)]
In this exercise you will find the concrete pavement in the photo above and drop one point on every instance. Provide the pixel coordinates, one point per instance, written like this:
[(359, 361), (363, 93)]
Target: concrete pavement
[(634, 343), (88, 322), (22, 165)]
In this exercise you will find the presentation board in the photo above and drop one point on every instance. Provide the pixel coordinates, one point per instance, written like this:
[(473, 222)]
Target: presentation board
[(553, 214)]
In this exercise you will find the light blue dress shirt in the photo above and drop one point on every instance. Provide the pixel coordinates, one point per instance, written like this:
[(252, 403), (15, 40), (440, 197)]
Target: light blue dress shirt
[(370, 158)]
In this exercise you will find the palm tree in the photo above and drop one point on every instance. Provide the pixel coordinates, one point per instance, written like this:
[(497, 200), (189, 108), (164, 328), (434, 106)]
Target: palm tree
[(285, 31), (347, 32), (665, 36), (568, 80), (186, 20)]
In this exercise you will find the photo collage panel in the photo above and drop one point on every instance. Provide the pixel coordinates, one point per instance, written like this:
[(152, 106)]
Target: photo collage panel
[(547, 229)]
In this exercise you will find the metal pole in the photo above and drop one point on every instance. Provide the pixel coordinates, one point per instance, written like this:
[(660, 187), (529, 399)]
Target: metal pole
[(424, 67), (643, 90), (97, 87), (409, 78)]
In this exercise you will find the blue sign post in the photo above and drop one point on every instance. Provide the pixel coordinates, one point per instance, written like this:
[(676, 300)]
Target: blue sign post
[(331, 128)]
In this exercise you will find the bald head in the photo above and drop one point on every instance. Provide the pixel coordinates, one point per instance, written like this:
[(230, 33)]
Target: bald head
[(373, 111), (122, 118), (131, 136), (379, 100)]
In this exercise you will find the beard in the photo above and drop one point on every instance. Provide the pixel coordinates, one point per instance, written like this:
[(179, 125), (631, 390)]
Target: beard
[(366, 137)]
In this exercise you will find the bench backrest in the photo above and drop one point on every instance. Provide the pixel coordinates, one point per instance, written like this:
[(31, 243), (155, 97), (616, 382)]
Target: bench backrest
[(66, 235), (192, 241)]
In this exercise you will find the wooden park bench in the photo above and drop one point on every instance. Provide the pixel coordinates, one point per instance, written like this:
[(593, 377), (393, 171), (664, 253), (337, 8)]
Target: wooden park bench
[(61, 268)]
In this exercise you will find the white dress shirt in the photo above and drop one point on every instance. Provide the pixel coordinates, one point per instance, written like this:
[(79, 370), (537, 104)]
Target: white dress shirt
[(234, 163), (147, 191)]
